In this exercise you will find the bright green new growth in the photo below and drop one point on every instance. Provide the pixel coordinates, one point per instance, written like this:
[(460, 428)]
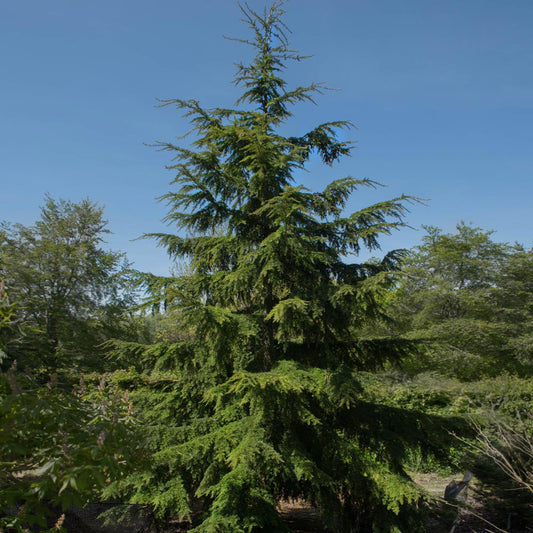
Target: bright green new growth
[(260, 398)]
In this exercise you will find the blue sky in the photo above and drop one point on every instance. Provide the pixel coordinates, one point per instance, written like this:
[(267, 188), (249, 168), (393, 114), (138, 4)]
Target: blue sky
[(441, 93)]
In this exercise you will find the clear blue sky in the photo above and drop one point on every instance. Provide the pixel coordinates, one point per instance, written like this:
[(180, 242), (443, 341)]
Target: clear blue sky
[(441, 93)]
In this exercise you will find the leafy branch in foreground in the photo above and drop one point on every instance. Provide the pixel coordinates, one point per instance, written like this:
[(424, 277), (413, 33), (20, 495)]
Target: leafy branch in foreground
[(59, 448)]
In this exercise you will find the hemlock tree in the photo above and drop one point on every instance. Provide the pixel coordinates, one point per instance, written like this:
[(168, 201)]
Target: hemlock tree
[(260, 399)]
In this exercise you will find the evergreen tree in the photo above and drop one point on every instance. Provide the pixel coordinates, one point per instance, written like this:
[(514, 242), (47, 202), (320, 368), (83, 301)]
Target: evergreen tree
[(259, 399)]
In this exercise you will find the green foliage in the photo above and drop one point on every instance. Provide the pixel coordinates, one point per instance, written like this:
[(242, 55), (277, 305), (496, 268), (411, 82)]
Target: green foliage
[(59, 447), (450, 414), (252, 380), (432, 394), (256, 396), (8, 324), (71, 294), (474, 297)]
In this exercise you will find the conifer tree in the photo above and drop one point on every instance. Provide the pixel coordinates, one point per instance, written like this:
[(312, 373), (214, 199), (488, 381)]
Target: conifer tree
[(260, 399)]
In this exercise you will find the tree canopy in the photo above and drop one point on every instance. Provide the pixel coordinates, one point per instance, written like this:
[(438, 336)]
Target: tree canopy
[(263, 384), (472, 296), (69, 292), (61, 296)]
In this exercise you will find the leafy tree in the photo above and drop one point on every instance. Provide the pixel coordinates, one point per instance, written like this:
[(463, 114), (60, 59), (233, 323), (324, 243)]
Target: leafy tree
[(59, 444), (259, 399), (512, 298), (7, 320), (71, 294), (473, 295)]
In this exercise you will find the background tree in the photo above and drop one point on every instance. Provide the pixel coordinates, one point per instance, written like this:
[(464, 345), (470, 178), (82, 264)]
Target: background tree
[(474, 296), (260, 400), (8, 324), (60, 444), (71, 293)]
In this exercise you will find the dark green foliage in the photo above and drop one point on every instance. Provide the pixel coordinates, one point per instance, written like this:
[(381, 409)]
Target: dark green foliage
[(8, 323), (59, 447), (259, 398), (475, 297), (59, 444), (70, 293)]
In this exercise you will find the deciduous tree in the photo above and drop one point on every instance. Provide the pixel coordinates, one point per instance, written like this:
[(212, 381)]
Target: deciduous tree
[(67, 287), (473, 297)]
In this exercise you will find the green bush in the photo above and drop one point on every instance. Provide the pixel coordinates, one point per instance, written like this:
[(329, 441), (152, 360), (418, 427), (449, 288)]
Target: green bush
[(59, 446)]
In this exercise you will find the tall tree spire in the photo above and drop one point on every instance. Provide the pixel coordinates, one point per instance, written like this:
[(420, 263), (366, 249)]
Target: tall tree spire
[(267, 391)]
